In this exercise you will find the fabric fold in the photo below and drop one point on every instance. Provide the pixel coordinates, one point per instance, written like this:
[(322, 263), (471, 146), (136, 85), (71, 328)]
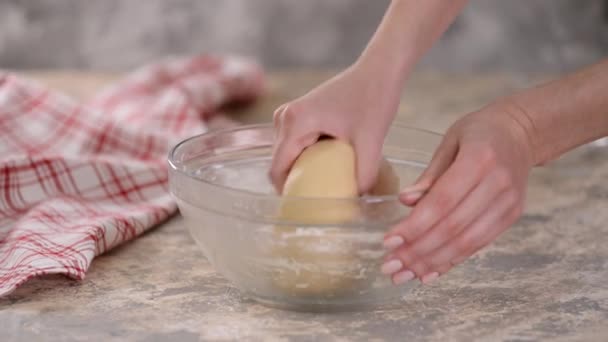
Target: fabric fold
[(77, 179)]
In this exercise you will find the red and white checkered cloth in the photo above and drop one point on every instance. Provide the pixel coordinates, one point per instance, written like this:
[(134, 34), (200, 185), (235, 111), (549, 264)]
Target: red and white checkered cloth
[(79, 179)]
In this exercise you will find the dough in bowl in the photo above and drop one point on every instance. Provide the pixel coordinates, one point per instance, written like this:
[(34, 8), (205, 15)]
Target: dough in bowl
[(322, 261)]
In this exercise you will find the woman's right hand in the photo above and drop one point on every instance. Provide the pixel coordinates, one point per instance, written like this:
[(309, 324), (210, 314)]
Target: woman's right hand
[(356, 106)]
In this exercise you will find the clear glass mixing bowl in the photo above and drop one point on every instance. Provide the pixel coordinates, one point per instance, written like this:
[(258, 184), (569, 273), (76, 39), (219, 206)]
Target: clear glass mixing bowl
[(220, 182)]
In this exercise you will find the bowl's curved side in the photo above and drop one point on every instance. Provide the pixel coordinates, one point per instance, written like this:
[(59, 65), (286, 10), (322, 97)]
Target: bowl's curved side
[(236, 228)]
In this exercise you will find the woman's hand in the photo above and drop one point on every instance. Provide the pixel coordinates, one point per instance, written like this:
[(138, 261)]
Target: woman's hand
[(472, 191), (356, 106), (474, 187), (359, 104)]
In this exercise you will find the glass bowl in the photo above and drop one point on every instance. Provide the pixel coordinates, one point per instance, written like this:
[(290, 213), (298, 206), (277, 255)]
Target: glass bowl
[(219, 180)]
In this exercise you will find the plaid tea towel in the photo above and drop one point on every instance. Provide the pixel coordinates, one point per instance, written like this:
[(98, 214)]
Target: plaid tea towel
[(79, 179)]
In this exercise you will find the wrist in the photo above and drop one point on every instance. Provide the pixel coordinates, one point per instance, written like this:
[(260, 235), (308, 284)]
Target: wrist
[(522, 128), (386, 74)]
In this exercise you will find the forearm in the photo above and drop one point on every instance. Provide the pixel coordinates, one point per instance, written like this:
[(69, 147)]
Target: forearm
[(408, 29), (564, 114)]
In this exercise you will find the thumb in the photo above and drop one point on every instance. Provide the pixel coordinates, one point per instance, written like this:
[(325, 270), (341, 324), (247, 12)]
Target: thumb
[(368, 163), (442, 158), (292, 136)]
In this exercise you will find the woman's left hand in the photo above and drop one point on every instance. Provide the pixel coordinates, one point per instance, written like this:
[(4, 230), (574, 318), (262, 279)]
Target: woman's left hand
[(472, 191)]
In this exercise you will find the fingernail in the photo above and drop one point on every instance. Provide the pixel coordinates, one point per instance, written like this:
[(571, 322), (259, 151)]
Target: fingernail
[(412, 196), (403, 277), (393, 242), (429, 278), (418, 187), (391, 267)]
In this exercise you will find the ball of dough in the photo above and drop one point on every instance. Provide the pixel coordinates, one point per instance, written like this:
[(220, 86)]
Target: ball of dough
[(324, 170), (387, 183), (316, 262), (322, 261), (317, 259)]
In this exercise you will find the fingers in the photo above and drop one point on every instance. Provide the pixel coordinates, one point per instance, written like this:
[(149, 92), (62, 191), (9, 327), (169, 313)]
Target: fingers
[(481, 232), (460, 218), (296, 129), (368, 161), (442, 159), (293, 134), (447, 192), (277, 117), (283, 156)]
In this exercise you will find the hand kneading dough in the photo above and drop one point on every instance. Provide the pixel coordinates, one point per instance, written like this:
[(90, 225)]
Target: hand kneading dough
[(324, 170), (322, 261)]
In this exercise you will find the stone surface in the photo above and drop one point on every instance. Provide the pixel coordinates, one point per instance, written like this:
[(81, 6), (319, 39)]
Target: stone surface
[(544, 279)]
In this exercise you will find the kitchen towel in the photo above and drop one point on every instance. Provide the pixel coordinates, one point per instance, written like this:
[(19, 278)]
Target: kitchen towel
[(79, 179)]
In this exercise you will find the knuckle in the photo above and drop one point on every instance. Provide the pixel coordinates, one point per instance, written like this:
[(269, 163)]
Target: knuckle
[(453, 224), (408, 237), (288, 115), (441, 204), (418, 251), (419, 269), (278, 112), (478, 243), (444, 268), (433, 263), (405, 257), (410, 234), (427, 245), (459, 259), (443, 256), (465, 243), (486, 157), (423, 216)]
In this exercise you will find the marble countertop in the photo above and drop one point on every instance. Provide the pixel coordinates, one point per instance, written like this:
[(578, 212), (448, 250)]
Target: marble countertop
[(544, 279)]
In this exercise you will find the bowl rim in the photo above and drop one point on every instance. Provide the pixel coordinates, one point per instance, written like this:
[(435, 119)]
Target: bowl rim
[(173, 165)]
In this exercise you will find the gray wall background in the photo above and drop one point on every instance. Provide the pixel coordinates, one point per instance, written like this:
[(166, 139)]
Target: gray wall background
[(525, 35)]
